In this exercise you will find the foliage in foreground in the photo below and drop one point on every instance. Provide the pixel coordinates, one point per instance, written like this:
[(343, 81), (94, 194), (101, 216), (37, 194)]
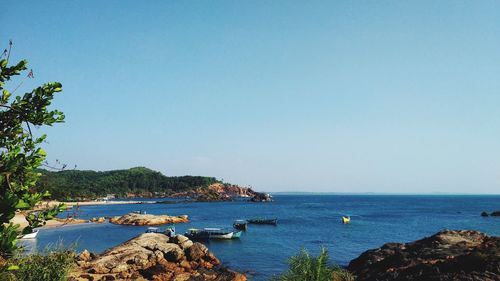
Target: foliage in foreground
[(52, 265), (20, 151), (304, 267)]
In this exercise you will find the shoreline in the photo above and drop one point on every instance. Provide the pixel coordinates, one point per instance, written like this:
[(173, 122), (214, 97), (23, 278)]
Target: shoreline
[(92, 203), (56, 222), (53, 203)]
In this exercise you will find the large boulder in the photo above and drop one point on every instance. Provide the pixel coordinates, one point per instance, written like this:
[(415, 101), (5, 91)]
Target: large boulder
[(147, 219), (153, 256), (196, 251), (182, 241), (447, 255)]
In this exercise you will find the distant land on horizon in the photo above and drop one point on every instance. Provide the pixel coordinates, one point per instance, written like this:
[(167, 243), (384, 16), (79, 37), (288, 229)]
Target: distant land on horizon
[(75, 185), (381, 193)]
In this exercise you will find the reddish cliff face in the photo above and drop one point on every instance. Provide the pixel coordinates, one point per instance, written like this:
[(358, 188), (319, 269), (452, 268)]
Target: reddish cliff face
[(231, 190), (218, 191)]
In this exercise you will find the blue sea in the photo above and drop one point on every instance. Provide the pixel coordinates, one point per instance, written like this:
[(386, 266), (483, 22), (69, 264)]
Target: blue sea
[(304, 221)]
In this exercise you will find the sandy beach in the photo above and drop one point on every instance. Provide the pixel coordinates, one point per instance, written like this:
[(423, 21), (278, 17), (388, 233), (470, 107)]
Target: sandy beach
[(52, 203), (90, 203), (19, 219)]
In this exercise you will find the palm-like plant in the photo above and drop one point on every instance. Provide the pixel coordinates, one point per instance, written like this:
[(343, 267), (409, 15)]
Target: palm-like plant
[(304, 267)]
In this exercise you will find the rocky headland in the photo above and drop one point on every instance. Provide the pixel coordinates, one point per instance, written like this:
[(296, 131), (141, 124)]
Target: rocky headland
[(147, 219), (216, 192), (445, 256), (154, 256)]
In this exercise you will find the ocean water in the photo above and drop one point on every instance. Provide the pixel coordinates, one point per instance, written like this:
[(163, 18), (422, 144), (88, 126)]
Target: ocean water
[(304, 221)]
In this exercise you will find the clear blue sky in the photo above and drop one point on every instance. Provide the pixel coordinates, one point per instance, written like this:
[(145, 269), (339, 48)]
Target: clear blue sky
[(341, 96)]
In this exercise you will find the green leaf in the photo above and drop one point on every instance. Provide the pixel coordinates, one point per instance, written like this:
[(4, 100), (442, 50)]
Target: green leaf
[(22, 205), (13, 267), (5, 96), (41, 152)]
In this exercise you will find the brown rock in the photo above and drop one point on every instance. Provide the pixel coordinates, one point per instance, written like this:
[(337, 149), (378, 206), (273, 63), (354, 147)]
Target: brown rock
[(185, 264), (147, 219), (182, 241), (445, 256), (84, 256), (196, 251), (182, 277), (229, 275), (151, 256)]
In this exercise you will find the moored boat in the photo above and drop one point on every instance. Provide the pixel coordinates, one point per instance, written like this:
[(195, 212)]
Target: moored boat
[(169, 231), (346, 219), (211, 233), (31, 235), (240, 225), (236, 234), (272, 221)]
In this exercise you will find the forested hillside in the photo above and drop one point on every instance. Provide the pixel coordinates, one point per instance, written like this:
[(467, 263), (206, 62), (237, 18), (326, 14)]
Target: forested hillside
[(139, 181)]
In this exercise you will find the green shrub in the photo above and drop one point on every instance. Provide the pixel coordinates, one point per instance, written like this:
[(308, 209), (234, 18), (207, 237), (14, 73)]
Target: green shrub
[(304, 267), (52, 265)]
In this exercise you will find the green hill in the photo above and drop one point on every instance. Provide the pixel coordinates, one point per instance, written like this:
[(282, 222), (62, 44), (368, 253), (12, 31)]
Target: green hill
[(139, 181)]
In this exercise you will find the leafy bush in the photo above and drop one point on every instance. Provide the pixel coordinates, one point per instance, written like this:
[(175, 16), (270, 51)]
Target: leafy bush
[(52, 265), (304, 267), (21, 152)]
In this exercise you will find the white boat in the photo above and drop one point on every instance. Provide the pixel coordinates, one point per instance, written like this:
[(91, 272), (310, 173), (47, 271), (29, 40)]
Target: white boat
[(31, 235), (169, 231), (219, 233), (210, 233)]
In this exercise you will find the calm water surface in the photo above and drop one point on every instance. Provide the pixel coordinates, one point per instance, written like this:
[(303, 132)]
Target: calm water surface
[(309, 221)]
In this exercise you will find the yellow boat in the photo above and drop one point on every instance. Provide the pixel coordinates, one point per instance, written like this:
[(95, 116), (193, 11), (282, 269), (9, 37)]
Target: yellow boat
[(346, 220)]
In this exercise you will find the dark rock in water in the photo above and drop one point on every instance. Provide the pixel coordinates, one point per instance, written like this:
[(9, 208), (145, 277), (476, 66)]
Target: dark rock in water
[(261, 197), (445, 256), (484, 214), (153, 256), (495, 214)]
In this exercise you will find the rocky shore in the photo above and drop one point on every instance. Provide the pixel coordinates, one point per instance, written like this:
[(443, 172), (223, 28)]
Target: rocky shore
[(216, 192), (153, 256), (445, 256), (148, 219)]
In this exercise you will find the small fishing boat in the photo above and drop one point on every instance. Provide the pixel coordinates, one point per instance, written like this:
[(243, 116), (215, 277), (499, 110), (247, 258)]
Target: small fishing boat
[(31, 235), (153, 230), (211, 233), (169, 231), (346, 220), (236, 234), (273, 221), (240, 225)]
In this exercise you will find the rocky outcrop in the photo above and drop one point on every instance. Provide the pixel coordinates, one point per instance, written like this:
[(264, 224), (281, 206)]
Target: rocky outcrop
[(147, 219), (493, 214), (217, 192), (98, 220), (154, 256), (447, 255), (261, 197)]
